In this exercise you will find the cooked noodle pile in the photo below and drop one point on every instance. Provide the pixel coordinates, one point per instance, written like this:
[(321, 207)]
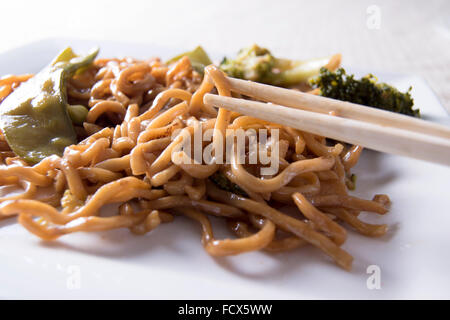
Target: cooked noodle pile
[(124, 156)]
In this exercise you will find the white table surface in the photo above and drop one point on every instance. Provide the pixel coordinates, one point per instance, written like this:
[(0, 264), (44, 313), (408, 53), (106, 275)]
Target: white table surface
[(412, 36)]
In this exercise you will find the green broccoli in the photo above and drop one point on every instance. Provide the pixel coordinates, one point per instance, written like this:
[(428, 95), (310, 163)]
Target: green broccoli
[(252, 63), (258, 64), (366, 91), (221, 181)]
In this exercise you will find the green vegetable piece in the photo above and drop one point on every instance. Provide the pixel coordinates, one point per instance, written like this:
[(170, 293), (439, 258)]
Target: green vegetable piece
[(258, 64), (34, 118), (77, 113), (294, 72), (221, 181), (252, 63), (198, 57), (352, 183), (365, 91)]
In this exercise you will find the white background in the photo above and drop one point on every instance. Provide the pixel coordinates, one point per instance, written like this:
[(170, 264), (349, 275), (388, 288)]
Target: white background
[(413, 36)]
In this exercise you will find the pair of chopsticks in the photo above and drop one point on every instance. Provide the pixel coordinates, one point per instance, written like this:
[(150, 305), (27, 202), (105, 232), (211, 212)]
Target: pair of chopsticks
[(352, 123)]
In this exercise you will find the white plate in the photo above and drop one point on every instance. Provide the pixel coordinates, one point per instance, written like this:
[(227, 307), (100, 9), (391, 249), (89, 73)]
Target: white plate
[(169, 263)]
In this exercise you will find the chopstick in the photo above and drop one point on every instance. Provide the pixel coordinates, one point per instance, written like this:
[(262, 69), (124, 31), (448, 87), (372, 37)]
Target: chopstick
[(310, 102), (375, 136)]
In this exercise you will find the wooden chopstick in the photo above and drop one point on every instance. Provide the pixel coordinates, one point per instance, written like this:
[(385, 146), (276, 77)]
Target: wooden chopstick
[(310, 102), (374, 136)]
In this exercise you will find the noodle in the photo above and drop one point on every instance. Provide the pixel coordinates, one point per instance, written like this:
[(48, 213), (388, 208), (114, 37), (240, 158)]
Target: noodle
[(139, 114)]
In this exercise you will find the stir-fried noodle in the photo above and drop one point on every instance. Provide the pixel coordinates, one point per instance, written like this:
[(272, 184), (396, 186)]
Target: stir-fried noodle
[(139, 112)]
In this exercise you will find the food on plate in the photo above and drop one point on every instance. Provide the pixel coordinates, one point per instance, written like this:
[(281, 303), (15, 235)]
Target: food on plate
[(83, 133)]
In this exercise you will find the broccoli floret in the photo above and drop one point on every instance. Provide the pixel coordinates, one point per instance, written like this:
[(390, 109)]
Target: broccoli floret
[(223, 183), (365, 91), (252, 63), (258, 64)]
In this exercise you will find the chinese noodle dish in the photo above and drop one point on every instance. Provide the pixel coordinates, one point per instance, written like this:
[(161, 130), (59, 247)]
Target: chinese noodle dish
[(86, 131)]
